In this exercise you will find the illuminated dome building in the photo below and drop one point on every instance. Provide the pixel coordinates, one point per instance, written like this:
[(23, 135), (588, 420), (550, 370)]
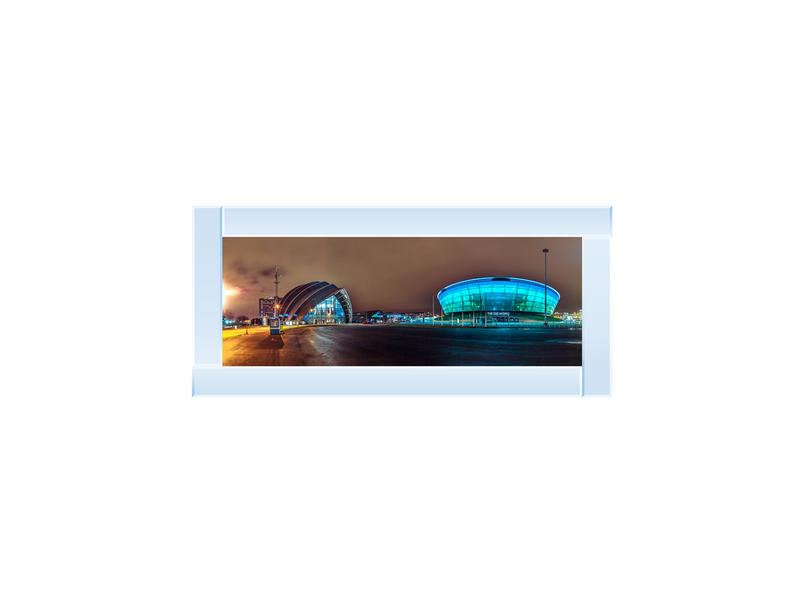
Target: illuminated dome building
[(317, 302), (498, 299)]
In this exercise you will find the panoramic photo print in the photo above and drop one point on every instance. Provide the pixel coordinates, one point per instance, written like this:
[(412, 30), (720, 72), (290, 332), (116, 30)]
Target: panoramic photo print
[(402, 301)]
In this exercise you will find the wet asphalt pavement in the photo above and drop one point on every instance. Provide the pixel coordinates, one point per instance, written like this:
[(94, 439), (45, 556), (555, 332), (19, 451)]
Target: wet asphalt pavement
[(380, 345)]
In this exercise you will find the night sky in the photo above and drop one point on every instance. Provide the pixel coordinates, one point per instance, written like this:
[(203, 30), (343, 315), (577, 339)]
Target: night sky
[(383, 273)]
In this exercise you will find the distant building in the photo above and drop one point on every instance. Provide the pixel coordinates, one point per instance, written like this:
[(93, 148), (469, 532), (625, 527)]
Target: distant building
[(367, 315)]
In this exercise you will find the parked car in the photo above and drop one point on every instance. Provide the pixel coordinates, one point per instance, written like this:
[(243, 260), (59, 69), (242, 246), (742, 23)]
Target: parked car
[(365, 322)]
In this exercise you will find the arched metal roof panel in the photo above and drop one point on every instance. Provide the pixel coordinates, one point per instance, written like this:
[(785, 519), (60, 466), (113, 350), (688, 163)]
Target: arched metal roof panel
[(297, 301), (295, 294), (346, 303)]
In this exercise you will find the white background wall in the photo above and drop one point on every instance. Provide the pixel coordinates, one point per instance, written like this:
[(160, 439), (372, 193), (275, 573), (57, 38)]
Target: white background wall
[(118, 486)]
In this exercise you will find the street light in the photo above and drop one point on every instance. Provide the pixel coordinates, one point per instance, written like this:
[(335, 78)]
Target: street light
[(276, 299), (545, 285)]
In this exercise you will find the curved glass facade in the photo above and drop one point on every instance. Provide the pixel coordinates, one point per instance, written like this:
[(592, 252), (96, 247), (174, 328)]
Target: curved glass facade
[(327, 312), (498, 294)]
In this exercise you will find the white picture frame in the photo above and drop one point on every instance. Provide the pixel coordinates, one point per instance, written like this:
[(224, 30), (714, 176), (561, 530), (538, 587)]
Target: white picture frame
[(211, 224)]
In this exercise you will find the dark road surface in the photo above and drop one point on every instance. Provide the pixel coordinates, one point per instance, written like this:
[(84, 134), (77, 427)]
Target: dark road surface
[(376, 345)]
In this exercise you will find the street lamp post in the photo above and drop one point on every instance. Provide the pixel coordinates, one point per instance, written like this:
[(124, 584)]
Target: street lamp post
[(276, 299), (545, 285)]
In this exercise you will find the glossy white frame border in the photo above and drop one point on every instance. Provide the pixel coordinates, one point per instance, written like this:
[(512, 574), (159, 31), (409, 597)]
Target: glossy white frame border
[(211, 224)]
